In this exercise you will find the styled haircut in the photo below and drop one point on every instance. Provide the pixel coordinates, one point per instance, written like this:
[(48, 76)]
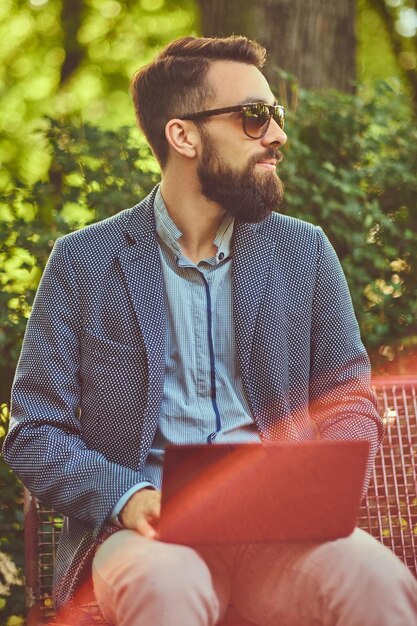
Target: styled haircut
[(174, 83)]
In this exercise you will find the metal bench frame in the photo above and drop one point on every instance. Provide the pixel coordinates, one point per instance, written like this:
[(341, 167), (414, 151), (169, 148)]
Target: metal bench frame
[(389, 511)]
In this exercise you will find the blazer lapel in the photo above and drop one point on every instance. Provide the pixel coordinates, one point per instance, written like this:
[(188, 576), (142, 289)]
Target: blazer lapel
[(141, 267), (252, 258)]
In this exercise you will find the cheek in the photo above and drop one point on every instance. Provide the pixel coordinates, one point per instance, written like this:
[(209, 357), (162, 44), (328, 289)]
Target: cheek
[(228, 139), (228, 146)]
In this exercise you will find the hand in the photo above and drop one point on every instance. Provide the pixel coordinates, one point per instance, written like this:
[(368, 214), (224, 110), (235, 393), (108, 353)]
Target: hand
[(141, 512)]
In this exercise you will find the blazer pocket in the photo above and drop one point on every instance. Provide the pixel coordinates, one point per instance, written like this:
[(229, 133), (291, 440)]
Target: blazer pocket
[(108, 349), (114, 386)]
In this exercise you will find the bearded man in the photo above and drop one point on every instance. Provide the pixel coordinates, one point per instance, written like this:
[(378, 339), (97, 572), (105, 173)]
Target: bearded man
[(200, 315)]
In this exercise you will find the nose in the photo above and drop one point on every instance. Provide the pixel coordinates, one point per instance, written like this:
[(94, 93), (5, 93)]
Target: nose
[(274, 135)]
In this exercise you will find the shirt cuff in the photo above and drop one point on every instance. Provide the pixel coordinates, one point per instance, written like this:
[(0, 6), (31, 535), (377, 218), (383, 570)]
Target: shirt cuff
[(114, 515)]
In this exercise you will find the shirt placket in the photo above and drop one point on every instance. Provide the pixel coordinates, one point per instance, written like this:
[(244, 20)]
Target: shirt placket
[(208, 279)]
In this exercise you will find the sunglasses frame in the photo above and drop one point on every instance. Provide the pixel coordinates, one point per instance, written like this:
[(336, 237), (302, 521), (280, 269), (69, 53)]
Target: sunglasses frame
[(275, 111)]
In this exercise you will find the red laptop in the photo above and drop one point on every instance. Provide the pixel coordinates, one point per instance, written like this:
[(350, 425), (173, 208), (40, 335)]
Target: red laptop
[(255, 493)]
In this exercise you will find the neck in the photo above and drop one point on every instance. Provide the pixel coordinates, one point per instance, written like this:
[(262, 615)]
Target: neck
[(196, 217)]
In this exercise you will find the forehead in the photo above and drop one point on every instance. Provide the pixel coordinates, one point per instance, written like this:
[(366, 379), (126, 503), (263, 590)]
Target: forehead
[(236, 83)]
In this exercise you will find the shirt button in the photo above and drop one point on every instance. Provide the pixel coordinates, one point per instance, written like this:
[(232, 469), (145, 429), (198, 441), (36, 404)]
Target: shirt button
[(221, 256)]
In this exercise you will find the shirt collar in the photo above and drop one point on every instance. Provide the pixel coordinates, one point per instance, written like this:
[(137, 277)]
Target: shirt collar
[(169, 233)]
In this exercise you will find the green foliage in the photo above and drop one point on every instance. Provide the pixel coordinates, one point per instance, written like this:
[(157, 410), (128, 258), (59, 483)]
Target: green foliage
[(62, 57), (388, 44), (351, 168), (375, 57)]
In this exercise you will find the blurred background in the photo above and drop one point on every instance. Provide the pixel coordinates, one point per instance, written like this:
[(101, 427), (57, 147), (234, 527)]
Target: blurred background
[(70, 154)]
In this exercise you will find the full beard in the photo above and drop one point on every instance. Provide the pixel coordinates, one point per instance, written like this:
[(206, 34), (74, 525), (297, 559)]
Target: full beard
[(248, 195)]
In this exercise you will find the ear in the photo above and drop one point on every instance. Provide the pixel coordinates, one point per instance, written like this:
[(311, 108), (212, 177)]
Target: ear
[(183, 137)]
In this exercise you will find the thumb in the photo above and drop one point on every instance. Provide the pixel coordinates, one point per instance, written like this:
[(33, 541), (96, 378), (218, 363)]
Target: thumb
[(145, 529)]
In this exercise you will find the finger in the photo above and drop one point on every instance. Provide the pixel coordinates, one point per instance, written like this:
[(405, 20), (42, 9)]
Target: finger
[(155, 498), (145, 529), (154, 511)]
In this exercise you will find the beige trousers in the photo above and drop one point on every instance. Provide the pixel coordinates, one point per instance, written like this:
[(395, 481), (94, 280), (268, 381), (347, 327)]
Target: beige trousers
[(353, 581)]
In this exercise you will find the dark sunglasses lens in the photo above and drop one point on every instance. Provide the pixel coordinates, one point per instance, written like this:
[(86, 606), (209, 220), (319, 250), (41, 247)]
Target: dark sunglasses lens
[(279, 116), (255, 118)]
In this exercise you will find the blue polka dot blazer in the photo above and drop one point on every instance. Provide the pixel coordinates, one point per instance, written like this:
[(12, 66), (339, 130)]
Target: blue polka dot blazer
[(89, 382)]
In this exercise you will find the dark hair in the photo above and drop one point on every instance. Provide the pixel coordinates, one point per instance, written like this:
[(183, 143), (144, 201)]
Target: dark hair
[(175, 82)]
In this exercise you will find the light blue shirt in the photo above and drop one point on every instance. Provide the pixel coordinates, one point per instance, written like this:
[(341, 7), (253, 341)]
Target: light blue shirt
[(203, 397)]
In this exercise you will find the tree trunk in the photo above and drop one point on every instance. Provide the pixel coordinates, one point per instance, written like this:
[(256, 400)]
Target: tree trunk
[(314, 40), (72, 15)]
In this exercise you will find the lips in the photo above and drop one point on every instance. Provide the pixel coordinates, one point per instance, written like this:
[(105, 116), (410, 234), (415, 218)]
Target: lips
[(270, 164)]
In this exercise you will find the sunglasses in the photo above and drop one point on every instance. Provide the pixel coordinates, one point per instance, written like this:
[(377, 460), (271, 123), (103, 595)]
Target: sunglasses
[(256, 117)]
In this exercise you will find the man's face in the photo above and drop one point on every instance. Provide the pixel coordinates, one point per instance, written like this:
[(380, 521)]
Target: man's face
[(234, 170)]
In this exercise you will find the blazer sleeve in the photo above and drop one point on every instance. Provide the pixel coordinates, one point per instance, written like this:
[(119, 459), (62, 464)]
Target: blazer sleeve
[(342, 402), (44, 445)]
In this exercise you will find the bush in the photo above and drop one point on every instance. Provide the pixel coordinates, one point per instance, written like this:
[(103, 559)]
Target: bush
[(351, 168)]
